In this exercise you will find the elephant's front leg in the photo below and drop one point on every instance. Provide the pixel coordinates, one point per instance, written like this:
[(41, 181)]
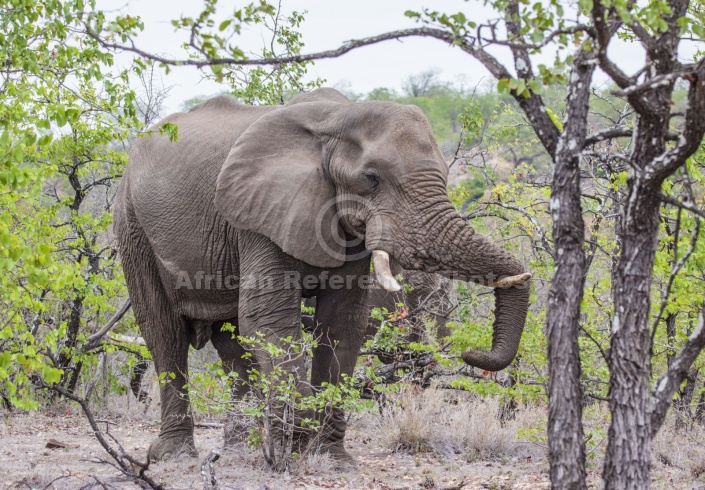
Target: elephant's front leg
[(341, 319), (270, 305)]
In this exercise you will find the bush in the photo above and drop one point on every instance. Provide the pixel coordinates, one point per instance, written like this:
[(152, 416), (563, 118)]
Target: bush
[(275, 415)]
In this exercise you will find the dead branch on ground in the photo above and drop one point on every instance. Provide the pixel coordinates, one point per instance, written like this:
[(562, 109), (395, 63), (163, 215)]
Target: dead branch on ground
[(126, 464)]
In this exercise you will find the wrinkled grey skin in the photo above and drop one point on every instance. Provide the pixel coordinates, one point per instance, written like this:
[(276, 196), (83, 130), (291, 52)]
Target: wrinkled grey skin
[(429, 294), (241, 194)]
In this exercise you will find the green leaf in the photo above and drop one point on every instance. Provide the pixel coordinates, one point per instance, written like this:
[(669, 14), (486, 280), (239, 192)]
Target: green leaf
[(51, 375), (45, 139), (536, 86), (171, 130), (552, 115)]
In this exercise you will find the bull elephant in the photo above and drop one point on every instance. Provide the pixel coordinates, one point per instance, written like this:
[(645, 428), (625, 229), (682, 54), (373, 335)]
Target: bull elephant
[(255, 208)]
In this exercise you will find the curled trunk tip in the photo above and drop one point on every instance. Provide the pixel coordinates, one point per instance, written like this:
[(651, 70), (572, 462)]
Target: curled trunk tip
[(511, 307), (487, 361)]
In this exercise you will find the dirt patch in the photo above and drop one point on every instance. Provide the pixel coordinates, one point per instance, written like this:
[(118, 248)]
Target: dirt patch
[(25, 462)]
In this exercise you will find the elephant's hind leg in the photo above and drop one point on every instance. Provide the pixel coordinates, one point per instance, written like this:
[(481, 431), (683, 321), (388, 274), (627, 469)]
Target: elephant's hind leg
[(169, 348), (166, 336)]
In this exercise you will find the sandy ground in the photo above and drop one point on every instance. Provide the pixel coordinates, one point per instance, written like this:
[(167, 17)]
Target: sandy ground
[(25, 462)]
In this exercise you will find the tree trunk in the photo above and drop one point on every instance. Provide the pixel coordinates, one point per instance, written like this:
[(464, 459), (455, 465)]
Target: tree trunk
[(507, 411), (671, 336), (700, 410), (628, 458), (138, 372), (65, 361), (566, 447), (681, 405), (565, 432)]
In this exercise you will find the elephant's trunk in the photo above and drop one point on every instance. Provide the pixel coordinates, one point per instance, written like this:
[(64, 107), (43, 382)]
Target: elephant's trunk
[(463, 254), (511, 306)]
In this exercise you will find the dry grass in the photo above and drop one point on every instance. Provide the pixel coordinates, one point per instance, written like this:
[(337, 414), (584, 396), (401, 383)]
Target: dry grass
[(452, 423), (681, 450), (678, 456), (453, 437), (313, 463)]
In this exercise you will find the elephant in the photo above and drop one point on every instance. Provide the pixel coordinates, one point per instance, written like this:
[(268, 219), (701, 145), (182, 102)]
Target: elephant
[(256, 207), (429, 293)]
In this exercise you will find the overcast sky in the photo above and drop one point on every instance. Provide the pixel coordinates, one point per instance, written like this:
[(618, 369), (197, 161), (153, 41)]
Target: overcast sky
[(328, 24)]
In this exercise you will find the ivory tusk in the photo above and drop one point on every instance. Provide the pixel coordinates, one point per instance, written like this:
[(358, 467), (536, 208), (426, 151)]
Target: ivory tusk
[(507, 282), (383, 271)]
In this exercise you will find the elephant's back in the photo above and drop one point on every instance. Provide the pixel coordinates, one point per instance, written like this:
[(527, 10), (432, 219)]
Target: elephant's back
[(205, 135), (169, 186)]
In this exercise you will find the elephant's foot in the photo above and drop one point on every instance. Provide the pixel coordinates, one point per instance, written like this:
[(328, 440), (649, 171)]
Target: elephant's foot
[(166, 448), (337, 452), (330, 437)]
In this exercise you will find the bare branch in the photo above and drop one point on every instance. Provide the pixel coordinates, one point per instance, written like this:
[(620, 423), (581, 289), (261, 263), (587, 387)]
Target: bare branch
[(542, 235), (676, 267), (693, 129), (522, 61), (608, 134), (124, 460), (93, 340), (683, 205), (646, 39), (126, 339), (612, 133), (332, 53), (597, 344), (654, 82), (605, 30), (533, 105), (532, 46)]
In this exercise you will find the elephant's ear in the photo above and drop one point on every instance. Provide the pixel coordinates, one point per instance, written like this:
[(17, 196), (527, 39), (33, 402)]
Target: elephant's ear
[(275, 182)]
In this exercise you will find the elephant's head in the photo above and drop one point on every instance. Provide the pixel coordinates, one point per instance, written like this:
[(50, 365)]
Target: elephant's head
[(322, 170)]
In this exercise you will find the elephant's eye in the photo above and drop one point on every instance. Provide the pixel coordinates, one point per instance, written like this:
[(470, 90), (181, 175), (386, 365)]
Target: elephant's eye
[(372, 177)]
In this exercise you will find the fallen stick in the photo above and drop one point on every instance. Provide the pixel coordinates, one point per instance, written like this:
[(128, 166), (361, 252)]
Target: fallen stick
[(209, 480), (209, 425), (125, 463)]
